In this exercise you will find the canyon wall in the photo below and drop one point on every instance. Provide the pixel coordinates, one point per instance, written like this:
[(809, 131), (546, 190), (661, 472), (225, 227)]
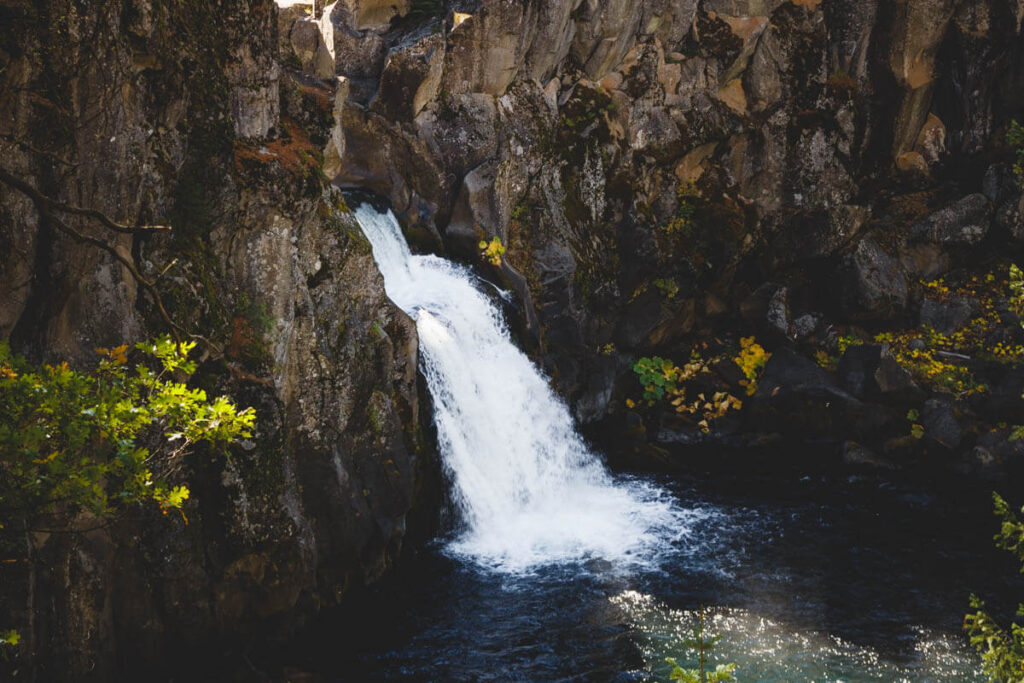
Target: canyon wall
[(178, 113)]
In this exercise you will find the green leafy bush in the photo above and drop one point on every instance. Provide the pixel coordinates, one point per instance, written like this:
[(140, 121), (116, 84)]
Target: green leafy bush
[(1001, 648), (657, 375), (72, 441)]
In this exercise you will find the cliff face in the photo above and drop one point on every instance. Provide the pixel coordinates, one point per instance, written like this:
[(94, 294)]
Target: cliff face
[(585, 133), (178, 113)]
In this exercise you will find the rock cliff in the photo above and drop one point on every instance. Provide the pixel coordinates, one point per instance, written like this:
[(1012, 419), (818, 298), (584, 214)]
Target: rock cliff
[(178, 113), (586, 134)]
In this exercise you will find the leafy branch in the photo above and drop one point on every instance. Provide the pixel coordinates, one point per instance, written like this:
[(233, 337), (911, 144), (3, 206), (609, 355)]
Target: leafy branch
[(1001, 648)]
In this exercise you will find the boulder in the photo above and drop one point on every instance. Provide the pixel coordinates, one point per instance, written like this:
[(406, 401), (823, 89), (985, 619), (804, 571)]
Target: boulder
[(947, 316), (487, 49), (309, 46), (995, 456), (940, 424), (797, 398), (856, 455), (411, 79), (871, 284), (820, 233), (871, 372), (962, 223), (924, 261)]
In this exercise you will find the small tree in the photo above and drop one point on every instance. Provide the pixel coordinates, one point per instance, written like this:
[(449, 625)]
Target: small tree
[(702, 643), (72, 441), (1001, 648)]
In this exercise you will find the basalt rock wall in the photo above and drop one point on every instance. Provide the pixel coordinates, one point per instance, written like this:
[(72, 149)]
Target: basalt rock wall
[(180, 114), (652, 166)]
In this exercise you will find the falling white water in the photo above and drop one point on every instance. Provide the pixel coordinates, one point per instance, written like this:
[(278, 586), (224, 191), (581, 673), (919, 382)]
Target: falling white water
[(528, 489)]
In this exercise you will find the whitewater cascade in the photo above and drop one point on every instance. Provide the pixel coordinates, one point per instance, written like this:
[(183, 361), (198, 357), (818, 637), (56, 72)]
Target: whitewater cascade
[(528, 489)]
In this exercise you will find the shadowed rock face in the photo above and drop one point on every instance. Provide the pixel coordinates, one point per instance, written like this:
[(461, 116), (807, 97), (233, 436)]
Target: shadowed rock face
[(791, 119), (179, 113)]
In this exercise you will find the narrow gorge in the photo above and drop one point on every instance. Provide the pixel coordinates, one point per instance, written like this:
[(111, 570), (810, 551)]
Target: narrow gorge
[(560, 321)]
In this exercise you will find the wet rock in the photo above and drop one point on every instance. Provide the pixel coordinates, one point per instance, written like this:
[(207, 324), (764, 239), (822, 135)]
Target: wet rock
[(963, 223), (596, 393), (856, 455)]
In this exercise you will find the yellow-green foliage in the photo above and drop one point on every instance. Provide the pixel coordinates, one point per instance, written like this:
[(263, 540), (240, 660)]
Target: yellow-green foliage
[(1001, 647), (936, 372), (492, 251), (925, 365), (667, 286), (751, 360), (830, 362), (663, 379), (683, 222), (71, 440)]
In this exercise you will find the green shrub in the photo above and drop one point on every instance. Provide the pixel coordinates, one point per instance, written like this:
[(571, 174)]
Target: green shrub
[(1001, 648), (73, 441)]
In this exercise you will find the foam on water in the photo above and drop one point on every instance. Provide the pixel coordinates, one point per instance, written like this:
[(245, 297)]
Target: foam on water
[(528, 489)]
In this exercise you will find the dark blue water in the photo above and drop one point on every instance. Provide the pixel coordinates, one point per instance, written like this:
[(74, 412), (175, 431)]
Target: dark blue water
[(808, 579)]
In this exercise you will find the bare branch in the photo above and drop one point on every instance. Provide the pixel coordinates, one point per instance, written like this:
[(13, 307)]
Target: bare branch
[(51, 204), (41, 152)]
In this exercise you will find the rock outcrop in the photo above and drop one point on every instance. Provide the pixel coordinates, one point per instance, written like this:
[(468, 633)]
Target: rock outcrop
[(180, 114), (596, 125)]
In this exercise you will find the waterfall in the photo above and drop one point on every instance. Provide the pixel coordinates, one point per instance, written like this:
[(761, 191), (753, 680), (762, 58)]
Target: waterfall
[(528, 489)]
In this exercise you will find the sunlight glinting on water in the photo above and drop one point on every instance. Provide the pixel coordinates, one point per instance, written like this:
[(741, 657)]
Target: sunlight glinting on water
[(770, 652)]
